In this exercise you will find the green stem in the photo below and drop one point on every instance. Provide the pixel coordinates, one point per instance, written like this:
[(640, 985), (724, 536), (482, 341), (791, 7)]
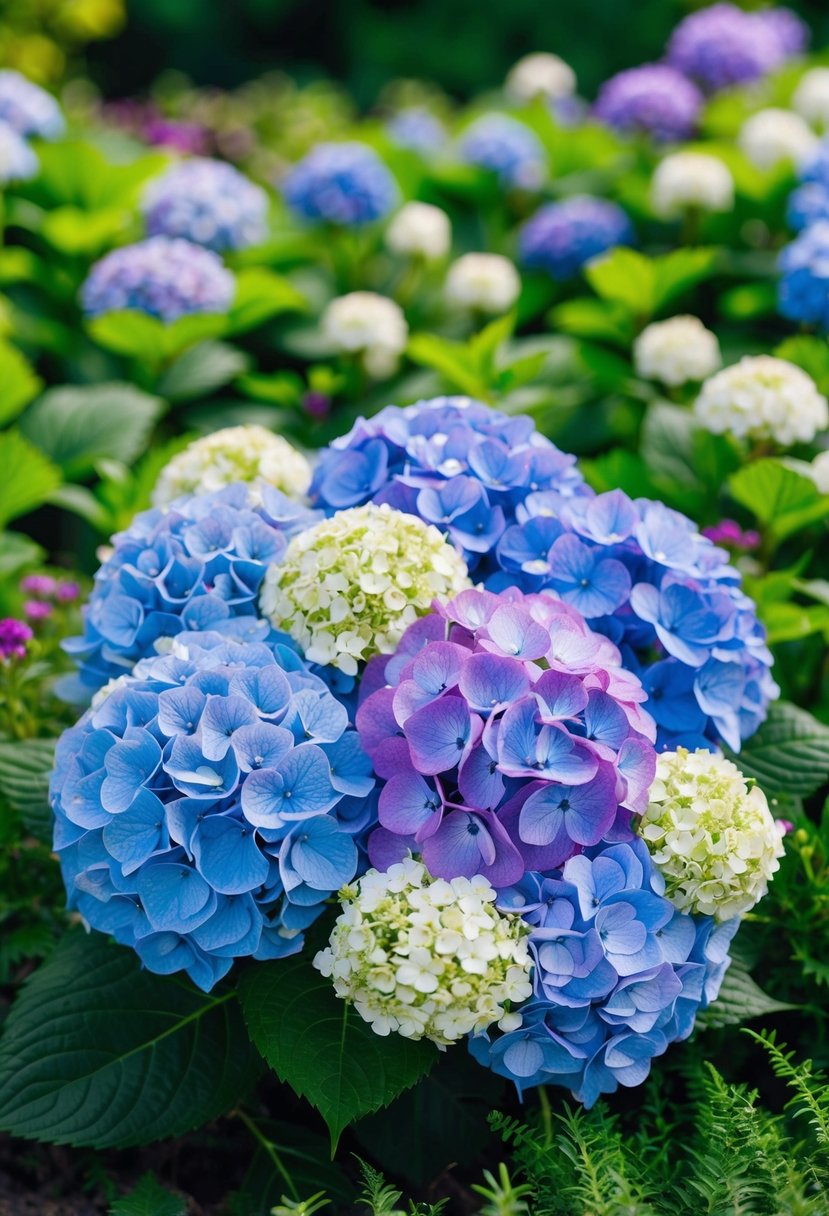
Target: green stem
[(269, 1148), (546, 1115)]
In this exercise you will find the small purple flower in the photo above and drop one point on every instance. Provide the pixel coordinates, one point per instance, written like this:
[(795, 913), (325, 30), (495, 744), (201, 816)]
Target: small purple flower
[(42, 586), (562, 236), (67, 591), (37, 610), (14, 635), (654, 98), (164, 277), (728, 532)]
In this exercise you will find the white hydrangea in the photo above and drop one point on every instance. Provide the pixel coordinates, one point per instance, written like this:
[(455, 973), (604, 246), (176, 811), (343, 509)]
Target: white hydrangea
[(712, 838), (763, 398), (348, 587), (483, 281), (811, 97), (366, 323), (774, 135), (425, 957), (236, 453), (540, 75), (691, 179), (420, 230), (676, 351), (819, 472)]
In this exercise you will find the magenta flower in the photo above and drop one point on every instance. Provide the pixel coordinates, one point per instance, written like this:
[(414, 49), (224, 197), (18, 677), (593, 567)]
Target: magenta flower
[(41, 586), (37, 610), (14, 635)]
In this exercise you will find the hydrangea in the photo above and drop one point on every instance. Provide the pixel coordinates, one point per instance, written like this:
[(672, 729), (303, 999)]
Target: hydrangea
[(235, 453), (811, 97), (654, 98), (197, 565), (711, 836), (687, 180), (30, 110), (508, 737), (803, 291), (771, 136), (207, 202), (508, 148), (790, 31), (427, 958), (619, 974), (201, 809), (540, 75), (816, 167), (807, 205), (345, 184), (417, 129), (562, 236), (348, 587), (722, 45), (763, 398), (164, 277), (370, 325), (676, 351), (18, 162), (484, 281), (420, 230)]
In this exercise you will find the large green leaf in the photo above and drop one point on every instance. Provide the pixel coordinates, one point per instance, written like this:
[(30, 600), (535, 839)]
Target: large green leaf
[(789, 753), (322, 1048), (28, 477), (260, 295), (18, 383), (778, 496), (98, 1052), (740, 999), (24, 780), (149, 1198), (201, 369)]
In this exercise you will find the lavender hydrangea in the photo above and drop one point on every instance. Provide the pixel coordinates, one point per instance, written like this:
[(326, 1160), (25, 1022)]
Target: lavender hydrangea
[(654, 98), (207, 202), (807, 204), (619, 974), (791, 32), (508, 148), (508, 737), (197, 564), (18, 163), (562, 236), (28, 109), (417, 129), (165, 277), (345, 184), (202, 806), (723, 45), (803, 290)]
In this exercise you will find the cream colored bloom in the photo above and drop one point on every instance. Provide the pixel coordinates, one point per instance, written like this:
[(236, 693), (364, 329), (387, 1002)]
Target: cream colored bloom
[(676, 351), (811, 97), (369, 324), (236, 453), (540, 75), (774, 135), (484, 281), (691, 179), (420, 230), (763, 398)]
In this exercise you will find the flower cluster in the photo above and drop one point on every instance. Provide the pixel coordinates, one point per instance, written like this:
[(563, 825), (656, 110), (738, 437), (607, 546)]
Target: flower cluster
[(562, 236), (15, 636), (44, 593), (367, 324), (723, 45), (654, 98), (18, 162), (764, 398), (619, 974), (506, 147), (687, 181), (236, 453), (807, 205), (540, 75), (348, 587), (811, 97), (676, 351), (197, 565), (28, 109), (420, 230), (427, 958), (803, 292), (197, 806), (775, 135), (509, 737), (207, 202), (164, 277), (417, 129), (345, 184), (713, 839), (484, 281)]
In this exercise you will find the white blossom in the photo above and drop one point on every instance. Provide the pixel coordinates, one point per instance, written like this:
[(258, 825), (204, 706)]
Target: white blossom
[(236, 453), (774, 135), (676, 351), (420, 230), (763, 398), (483, 281), (691, 179), (540, 75), (811, 97), (369, 324)]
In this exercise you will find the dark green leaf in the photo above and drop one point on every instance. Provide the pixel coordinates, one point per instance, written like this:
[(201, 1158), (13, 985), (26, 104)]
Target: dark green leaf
[(201, 370), (18, 383), (679, 271), (740, 1000), (28, 477), (298, 1167), (24, 780), (149, 1198), (260, 295), (789, 753), (600, 319)]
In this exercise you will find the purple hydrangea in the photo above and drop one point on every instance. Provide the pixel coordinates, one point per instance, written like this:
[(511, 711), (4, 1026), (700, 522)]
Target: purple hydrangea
[(562, 236), (209, 203), (508, 737), (722, 45), (206, 807), (508, 148), (418, 129), (791, 32), (197, 565), (807, 204), (18, 162), (619, 974), (164, 277), (654, 98), (345, 184), (803, 290), (28, 109)]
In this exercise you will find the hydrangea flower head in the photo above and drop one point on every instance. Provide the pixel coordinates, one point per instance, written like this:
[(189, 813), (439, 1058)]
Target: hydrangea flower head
[(811, 97), (208, 202), (540, 75), (722, 45), (508, 148), (196, 806), (807, 205), (764, 398), (368, 324), (348, 587), (197, 565), (654, 98), (18, 163), (562, 236), (165, 277), (420, 230), (234, 454), (790, 31), (686, 180), (773, 135), (803, 291), (345, 184), (417, 129), (487, 282), (28, 109), (711, 836), (427, 958), (676, 351)]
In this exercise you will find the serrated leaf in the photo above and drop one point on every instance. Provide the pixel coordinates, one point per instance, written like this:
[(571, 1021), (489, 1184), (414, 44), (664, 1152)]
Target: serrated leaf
[(789, 753), (28, 477), (24, 780), (740, 1000), (201, 370), (18, 383), (322, 1048), (148, 1198), (778, 496), (97, 1052)]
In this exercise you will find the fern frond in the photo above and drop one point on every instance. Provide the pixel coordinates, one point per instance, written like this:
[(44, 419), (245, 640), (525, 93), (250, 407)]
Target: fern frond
[(810, 1089)]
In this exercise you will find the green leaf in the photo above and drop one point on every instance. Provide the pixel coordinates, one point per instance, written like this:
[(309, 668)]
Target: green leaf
[(626, 277), (79, 175), (604, 320), (452, 359), (18, 383), (129, 333), (201, 369), (740, 999), (778, 496), (679, 271), (790, 622), (298, 1169), (84, 233), (789, 753), (24, 780), (28, 477), (97, 1052), (322, 1048), (812, 354), (149, 1198), (78, 426), (260, 295)]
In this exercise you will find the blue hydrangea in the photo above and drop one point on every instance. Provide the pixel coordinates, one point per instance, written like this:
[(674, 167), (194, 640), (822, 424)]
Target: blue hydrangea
[(803, 291), (508, 148), (165, 277), (193, 566), (204, 808), (30, 110), (345, 184), (562, 236), (619, 974), (654, 98), (816, 168), (18, 162), (807, 204), (418, 129), (209, 203)]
